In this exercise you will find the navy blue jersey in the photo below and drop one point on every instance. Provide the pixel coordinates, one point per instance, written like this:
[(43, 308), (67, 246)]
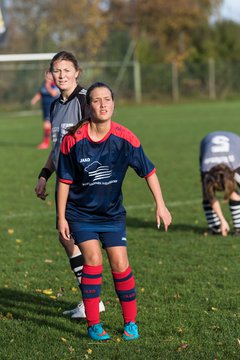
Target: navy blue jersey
[(95, 172), (44, 91), (47, 99)]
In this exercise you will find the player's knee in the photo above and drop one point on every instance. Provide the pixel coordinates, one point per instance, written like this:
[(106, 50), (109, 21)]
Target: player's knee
[(119, 265), (93, 259)]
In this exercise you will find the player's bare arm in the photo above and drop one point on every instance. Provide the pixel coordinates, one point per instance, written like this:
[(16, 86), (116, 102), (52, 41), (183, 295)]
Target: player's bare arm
[(161, 210), (224, 224), (63, 228), (45, 173)]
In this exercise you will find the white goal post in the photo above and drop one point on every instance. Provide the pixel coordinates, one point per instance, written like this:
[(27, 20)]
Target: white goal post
[(26, 57)]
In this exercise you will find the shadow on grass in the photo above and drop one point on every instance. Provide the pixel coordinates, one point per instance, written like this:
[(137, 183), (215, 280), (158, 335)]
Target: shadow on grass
[(37, 308), (141, 223)]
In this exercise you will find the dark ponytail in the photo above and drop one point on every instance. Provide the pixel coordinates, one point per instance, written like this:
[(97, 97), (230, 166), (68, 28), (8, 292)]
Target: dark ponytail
[(219, 178)]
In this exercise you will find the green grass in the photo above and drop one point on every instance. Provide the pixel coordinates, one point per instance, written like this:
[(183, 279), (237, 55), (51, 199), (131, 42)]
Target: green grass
[(187, 283)]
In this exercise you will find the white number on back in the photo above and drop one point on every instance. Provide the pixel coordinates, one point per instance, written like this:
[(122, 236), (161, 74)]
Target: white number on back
[(220, 144)]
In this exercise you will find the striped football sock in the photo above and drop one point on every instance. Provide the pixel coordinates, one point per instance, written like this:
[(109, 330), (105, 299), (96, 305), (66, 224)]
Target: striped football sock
[(211, 217), (91, 289), (234, 207), (76, 263), (125, 289)]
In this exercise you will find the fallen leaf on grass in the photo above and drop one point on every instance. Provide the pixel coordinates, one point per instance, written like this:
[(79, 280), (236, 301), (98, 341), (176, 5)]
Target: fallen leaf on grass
[(238, 340), (8, 316), (177, 296), (74, 289), (48, 261), (10, 231), (179, 330), (89, 351), (47, 291), (71, 349), (182, 347), (18, 241), (216, 328), (53, 297), (63, 339), (214, 309), (38, 291)]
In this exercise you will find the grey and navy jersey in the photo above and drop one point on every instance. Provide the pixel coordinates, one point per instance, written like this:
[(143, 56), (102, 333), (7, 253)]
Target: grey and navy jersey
[(65, 114), (220, 147)]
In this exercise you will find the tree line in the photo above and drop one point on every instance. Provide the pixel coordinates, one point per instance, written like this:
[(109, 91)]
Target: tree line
[(163, 31)]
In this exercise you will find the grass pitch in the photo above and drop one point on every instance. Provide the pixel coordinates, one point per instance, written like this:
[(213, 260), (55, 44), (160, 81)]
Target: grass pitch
[(187, 283)]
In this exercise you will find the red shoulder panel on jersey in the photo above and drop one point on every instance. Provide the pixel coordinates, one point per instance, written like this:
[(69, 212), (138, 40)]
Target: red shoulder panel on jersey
[(67, 143), (124, 133), (81, 133)]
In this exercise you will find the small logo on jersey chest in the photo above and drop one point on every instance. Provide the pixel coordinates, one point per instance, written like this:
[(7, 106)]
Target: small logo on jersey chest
[(84, 160)]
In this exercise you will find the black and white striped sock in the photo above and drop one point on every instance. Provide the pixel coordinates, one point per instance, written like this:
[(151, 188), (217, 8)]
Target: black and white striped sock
[(234, 207), (76, 263), (211, 217)]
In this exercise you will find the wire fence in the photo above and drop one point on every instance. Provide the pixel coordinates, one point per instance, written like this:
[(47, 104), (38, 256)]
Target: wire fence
[(214, 80)]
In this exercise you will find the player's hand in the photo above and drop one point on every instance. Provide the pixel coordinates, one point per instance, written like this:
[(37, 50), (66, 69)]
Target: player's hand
[(40, 188), (63, 229), (224, 228), (166, 217)]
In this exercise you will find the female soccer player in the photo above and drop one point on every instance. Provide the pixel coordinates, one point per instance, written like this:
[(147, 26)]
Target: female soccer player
[(93, 162), (220, 171), (47, 93), (66, 111)]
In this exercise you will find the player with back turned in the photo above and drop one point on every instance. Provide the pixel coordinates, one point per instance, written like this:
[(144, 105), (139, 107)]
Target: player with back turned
[(220, 172)]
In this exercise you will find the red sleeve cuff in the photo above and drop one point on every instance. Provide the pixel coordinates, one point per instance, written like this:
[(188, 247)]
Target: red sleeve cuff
[(151, 173), (69, 182)]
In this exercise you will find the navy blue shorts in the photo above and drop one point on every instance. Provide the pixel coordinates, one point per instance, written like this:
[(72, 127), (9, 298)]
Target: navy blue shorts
[(109, 234)]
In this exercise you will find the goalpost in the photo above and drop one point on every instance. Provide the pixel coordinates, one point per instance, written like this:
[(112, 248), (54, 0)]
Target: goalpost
[(26, 57)]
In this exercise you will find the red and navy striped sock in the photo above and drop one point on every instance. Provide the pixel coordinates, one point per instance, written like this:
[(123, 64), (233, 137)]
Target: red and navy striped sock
[(91, 289), (47, 134), (125, 289)]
